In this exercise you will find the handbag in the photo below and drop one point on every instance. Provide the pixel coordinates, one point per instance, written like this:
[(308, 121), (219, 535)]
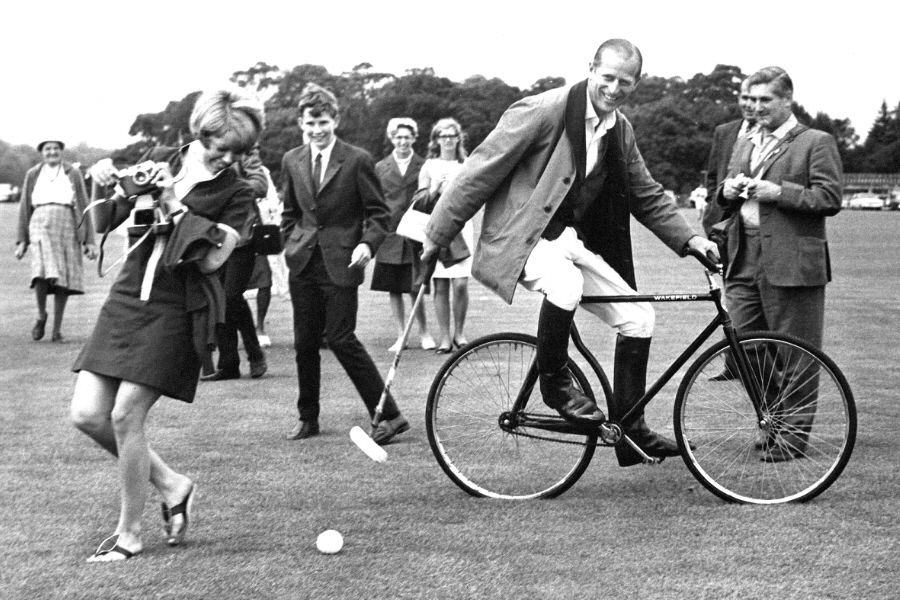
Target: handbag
[(266, 239), (412, 223)]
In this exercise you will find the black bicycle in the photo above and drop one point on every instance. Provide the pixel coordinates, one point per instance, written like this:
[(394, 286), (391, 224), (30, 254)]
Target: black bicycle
[(493, 435)]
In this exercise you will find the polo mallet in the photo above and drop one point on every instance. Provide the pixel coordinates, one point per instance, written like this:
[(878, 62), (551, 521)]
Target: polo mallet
[(359, 437)]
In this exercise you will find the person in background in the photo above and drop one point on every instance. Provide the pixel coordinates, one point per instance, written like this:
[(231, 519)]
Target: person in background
[(160, 315), (783, 181), (446, 153), (235, 277), (334, 220), (397, 261), (272, 279), (725, 137), (53, 202), (559, 179)]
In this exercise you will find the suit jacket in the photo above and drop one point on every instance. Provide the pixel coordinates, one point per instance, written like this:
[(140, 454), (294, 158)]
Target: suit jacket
[(398, 192), (349, 209), (794, 248), (724, 139), (522, 172)]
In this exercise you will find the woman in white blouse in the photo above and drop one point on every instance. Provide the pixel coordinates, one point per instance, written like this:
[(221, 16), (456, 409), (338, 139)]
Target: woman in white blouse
[(446, 154), (53, 200)]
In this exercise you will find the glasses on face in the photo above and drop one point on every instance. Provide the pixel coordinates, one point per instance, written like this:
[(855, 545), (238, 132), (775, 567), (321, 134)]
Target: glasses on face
[(448, 136)]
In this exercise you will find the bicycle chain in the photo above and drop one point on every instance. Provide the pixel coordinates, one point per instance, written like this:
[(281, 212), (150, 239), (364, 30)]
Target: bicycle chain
[(597, 444)]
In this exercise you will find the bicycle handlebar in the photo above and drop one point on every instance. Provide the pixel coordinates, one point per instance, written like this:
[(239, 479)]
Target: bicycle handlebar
[(709, 262)]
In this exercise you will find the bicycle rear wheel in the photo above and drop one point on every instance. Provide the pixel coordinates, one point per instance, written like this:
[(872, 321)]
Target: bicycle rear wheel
[(808, 428), (471, 391)]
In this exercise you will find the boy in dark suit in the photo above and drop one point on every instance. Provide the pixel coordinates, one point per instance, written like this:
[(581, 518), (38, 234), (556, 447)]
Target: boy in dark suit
[(334, 220)]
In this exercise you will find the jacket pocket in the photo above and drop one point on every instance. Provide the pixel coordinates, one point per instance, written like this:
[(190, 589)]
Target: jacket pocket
[(812, 261)]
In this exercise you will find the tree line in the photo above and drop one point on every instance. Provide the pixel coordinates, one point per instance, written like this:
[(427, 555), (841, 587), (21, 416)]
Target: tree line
[(673, 117)]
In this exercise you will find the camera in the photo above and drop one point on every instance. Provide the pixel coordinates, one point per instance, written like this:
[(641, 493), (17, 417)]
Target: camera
[(137, 180), (144, 211)]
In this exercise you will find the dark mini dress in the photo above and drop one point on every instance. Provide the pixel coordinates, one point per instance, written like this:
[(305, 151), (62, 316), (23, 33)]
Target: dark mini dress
[(397, 264), (152, 343)]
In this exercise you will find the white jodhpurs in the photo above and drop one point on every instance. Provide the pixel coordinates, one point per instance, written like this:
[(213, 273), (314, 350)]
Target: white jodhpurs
[(564, 271)]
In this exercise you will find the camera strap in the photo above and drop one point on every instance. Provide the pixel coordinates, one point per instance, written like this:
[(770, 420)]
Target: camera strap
[(159, 246), (128, 251)]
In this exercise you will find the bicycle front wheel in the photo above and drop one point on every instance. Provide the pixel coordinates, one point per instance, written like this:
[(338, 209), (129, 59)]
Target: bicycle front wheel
[(806, 434), (491, 377)]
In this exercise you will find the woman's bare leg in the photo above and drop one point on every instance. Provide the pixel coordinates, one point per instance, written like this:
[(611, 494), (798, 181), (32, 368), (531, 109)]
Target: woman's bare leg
[(112, 413), (442, 311), (460, 309)]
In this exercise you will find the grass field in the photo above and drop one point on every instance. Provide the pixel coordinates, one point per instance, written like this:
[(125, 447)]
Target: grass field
[(643, 532)]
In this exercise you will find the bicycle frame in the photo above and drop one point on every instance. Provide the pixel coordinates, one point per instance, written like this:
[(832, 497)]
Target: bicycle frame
[(721, 319)]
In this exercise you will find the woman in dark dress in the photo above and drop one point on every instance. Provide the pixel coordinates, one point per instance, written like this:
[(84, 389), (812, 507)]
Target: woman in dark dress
[(397, 261), (153, 328)]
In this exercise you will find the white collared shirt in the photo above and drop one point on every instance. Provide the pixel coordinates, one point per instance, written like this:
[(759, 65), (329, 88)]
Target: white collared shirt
[(193, 170), (326, 156), (763, 144), (402, 163), (53, 186), (594, 130)]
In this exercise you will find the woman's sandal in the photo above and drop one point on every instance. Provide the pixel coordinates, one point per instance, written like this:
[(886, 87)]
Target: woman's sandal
[(457, 344), (183, 508), (109, 550)]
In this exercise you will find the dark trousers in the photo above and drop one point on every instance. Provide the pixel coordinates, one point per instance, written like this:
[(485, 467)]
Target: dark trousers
[(756, 304), (235, 275), (321, 307)]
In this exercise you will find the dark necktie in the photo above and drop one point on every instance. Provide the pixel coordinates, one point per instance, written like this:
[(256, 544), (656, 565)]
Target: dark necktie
[(317, 174)]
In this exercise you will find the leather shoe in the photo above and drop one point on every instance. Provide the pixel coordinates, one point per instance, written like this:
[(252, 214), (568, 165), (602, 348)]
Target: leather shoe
[(570, 402), (303, 430), (221, 375), (37, 332), (387, 429), (258, 368), (653, 444)]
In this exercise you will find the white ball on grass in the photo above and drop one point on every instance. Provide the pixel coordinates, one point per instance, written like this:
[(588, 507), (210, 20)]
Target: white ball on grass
[(330, 541)]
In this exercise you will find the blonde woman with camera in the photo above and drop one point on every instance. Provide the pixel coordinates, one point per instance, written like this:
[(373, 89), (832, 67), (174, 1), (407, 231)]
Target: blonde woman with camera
[(161, 311)]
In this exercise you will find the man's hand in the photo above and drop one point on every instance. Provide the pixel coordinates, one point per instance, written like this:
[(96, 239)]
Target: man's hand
[(705, 247), (429, 250), (21, 248), (764, 191), (361, 256), (90, 250), (735, 187)]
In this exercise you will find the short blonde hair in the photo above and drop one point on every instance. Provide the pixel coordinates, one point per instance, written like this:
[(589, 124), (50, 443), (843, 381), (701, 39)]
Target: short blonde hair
[(398, 122), (228, 112)]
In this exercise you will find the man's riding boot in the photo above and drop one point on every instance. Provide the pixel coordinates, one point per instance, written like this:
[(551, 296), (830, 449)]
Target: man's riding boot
[(557, 388), (629, 384)]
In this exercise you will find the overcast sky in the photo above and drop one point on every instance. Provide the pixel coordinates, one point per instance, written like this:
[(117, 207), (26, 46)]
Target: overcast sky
[(82, 70)]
